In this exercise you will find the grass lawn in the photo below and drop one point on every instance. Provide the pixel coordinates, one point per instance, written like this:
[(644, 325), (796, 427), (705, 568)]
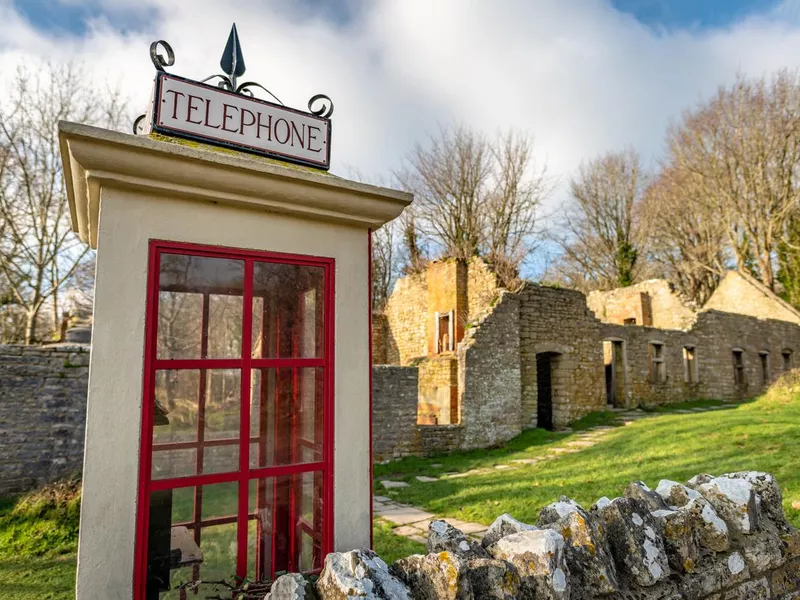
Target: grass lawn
[(760, 435), (38, 534)]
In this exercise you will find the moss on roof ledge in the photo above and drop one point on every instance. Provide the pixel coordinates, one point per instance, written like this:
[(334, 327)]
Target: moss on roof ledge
[(231, 152)]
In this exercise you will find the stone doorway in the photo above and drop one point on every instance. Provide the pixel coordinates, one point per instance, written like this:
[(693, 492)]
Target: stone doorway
[(546, 363), (614, 360)]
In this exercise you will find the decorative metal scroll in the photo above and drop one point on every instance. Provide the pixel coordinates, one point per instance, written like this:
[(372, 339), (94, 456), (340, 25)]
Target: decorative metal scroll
[(233, 67)]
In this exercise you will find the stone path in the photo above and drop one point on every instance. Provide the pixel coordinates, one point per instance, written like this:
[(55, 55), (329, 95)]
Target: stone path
[(412, 522)]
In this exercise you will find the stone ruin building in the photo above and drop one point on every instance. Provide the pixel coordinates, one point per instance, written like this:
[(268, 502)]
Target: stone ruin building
[(462, 363)]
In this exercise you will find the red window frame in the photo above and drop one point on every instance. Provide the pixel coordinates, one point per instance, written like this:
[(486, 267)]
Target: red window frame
[(246, 364)]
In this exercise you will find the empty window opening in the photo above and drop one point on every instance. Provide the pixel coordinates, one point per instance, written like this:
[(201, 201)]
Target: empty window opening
[(738, 366), (787, 360), (658, 368), (445, 332), (689, 364), (631, 321), (764, 357)]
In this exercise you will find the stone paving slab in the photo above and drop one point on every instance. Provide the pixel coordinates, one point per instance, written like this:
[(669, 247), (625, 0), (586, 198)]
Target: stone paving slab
[(394, 484), (426, 479), (405, 515), (581, 443)]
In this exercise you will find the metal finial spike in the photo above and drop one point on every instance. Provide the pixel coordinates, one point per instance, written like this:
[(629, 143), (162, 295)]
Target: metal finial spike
[(232, 61)]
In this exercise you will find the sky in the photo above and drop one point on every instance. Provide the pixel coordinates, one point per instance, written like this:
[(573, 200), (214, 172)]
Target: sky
[(583, 77)]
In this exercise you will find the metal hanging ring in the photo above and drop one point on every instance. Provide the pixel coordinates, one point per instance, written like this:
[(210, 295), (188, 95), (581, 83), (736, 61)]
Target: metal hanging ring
[(136, 123), (158, 60), (324, 104)]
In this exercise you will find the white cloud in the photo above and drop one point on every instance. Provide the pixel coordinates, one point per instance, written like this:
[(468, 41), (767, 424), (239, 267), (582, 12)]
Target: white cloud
[(582, 77)]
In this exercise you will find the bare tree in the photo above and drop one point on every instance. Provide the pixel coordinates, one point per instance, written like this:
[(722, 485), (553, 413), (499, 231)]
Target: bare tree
[(512, 206), (384, 264), (449, 179), (685, 239), (475, 197), (600, 231), (38, 252), (743, 150)]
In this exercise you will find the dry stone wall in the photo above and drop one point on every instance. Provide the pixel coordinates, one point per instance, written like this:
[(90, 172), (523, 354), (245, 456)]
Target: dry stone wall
[(713, 538), (394, 412), (42, 414)]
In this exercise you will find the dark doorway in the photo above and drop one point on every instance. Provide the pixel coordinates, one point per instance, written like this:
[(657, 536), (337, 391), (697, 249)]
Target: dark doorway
[(613, 357), (544, 382)]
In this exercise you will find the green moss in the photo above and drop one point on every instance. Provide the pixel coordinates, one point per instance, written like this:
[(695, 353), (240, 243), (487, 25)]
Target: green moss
[(231, 152)]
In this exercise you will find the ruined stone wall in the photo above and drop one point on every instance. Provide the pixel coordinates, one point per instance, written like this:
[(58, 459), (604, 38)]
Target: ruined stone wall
[(406, 312), (489, 378), (438, 390), (380, 331), (482, 289), (640, 387), (437, 439), (718, 333), (652, 303), (558, 320), (738, 293), (42, 414), (713, 337), (713, 538), (394, 412), (447, 291)]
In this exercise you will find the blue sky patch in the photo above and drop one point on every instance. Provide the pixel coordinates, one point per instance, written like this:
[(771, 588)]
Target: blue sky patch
[(57, 16), (692, 14)]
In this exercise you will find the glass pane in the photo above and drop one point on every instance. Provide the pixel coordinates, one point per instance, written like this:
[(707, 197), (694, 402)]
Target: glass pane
[(192, 408), (286, 416), (183, 550), (189, 288), (287, 311), (285, 532)]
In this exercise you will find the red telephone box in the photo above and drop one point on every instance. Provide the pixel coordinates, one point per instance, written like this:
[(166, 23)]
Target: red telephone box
[(237, 430)]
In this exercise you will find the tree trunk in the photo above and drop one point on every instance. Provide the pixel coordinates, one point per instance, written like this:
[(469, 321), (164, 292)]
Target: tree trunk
[(31, 317)]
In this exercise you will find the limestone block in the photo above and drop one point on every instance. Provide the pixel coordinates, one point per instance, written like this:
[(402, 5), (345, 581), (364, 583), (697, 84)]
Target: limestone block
[(674, 493), (502, 526), (635, 544), (557, 510), (715, 574), (763, 550), (540, 560), (735, 502), (589, 559), (711, 530), (443, 537), (769, 492), (638, 489), (680, 533), (750, 590), (699, 479), (359, 574), (291, 587), (444, 576)]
